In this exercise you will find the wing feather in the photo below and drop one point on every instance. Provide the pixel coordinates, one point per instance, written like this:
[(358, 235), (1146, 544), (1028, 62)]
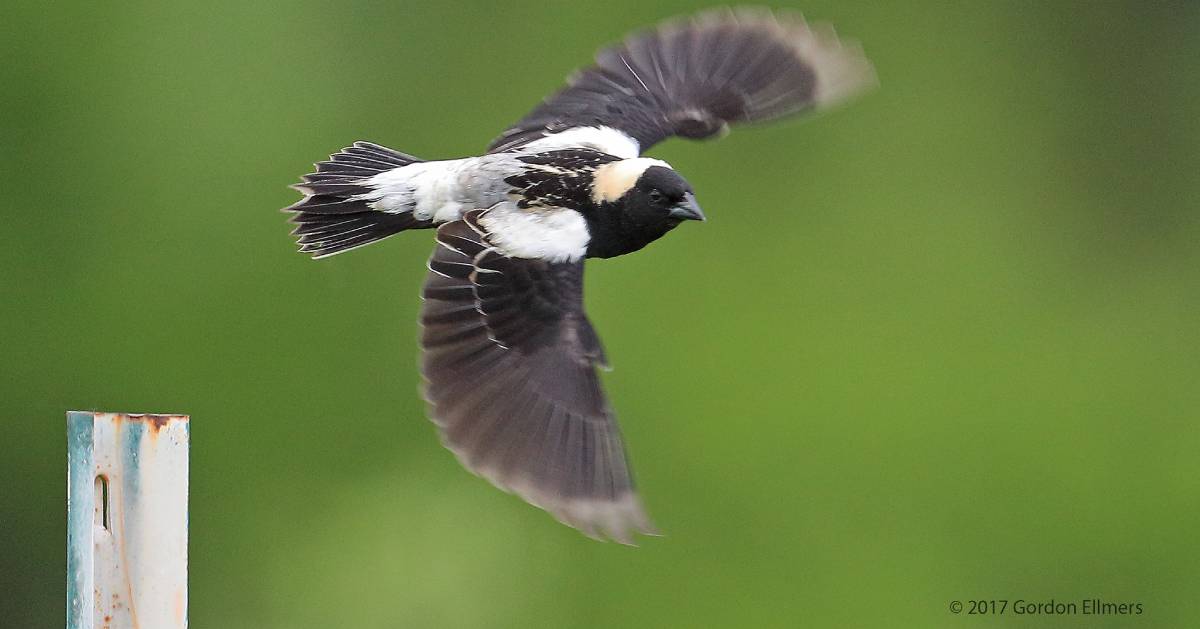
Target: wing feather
[(509, 360), (694, 77)]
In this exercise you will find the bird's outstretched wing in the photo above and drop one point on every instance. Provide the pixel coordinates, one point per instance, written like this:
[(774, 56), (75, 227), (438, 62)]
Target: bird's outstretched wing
[(693, 77), (509, 360)]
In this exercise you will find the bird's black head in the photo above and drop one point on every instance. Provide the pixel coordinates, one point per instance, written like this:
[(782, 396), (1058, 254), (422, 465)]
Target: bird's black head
[(637, 202)]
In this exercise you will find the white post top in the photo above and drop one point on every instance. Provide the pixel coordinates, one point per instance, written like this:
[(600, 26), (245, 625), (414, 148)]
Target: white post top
[(127, 519)]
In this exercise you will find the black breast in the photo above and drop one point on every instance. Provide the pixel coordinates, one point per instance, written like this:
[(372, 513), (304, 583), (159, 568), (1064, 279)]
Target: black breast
[(616, 231)]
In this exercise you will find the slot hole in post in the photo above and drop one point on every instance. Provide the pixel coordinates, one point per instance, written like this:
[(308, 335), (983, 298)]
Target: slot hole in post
[(102, 501)]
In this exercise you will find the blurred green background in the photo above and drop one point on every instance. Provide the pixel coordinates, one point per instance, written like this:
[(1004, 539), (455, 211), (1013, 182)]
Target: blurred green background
[(939, 344)]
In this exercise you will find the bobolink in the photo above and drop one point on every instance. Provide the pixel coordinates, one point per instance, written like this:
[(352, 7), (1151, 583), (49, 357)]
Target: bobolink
[(509, 357)]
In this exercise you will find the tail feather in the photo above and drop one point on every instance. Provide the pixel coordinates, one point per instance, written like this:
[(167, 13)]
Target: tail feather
[(333, 217), (323, 235)]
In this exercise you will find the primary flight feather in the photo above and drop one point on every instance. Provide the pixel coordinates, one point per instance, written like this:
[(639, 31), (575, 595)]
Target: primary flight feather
[(509, 357)]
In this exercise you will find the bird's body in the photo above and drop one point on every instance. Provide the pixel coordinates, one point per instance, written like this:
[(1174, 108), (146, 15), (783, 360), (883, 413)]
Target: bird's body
[(509, 357), (548, 185)]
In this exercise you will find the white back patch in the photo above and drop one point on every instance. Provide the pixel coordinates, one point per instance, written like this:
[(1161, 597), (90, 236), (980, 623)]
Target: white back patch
[(614, 179), (551, 234), (430, 190), (603, 139)]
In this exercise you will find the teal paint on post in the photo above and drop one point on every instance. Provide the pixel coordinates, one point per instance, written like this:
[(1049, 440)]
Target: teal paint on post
[(127, 521), (81, 483), (130, 443)]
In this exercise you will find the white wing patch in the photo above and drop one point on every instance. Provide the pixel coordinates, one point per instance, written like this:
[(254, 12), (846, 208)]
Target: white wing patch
[(613, 180), (551, 234), (603, 139)]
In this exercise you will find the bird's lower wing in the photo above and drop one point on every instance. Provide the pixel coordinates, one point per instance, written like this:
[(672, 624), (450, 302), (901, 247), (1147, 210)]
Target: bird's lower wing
[(692, 77), (509, 361)]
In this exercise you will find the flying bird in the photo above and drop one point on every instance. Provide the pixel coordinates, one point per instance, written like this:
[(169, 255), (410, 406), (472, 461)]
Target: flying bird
[(509, 358)]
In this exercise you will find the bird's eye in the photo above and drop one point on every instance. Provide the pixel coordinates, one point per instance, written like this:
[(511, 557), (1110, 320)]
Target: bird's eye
[(656, 196)]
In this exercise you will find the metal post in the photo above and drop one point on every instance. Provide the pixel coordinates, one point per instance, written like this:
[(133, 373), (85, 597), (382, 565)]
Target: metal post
[(127, 519)]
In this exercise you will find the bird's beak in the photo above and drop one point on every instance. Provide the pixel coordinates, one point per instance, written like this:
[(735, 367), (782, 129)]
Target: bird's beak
[(688, 209)]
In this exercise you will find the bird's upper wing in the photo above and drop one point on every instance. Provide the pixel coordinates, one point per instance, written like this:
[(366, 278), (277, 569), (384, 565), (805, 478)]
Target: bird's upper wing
[(509, 361), (693, 77)]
